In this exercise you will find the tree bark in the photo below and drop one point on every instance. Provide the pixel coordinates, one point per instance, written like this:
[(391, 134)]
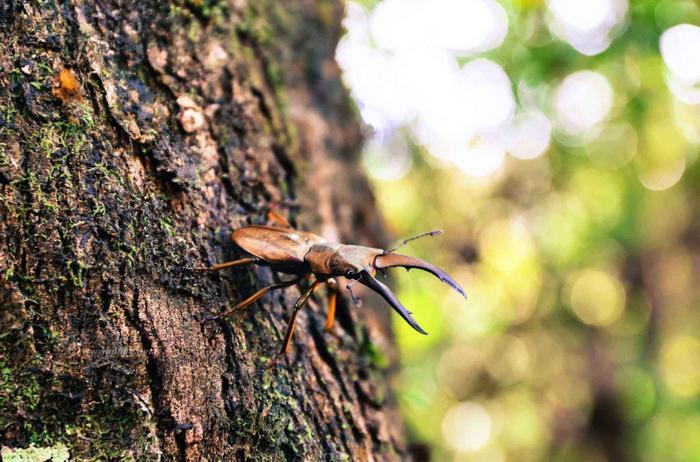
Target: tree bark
[(133, 137)]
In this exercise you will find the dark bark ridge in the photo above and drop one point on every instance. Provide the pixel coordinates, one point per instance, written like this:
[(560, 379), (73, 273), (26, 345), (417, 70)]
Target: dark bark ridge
[(188, 119)]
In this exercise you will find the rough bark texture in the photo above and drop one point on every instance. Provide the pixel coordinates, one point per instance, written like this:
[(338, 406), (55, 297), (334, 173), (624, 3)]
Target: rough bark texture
[(133, 137)]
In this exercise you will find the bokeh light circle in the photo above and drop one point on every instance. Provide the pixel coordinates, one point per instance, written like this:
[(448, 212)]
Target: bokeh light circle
[(597, 298), (582, 101), (679, 365), (478, 158), (680, 50), (614, 147), (467, 426), (486, 88), (587, 25), (529, 135)]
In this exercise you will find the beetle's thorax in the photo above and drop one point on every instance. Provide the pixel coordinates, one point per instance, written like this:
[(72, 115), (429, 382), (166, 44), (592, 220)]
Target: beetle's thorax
[(319, 257), (335, 259)]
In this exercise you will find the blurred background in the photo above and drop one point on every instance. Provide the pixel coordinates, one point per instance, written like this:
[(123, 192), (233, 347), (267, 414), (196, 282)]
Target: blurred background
[(555, 142)]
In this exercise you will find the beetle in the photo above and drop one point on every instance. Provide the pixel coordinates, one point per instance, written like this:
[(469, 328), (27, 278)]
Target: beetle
[(303, 254)]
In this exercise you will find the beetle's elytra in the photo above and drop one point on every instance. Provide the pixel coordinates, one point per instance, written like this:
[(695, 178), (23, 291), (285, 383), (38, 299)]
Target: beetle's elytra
[(303, 254)]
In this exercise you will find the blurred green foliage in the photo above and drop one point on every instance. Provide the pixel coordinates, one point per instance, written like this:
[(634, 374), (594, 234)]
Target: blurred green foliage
[(581, 336)]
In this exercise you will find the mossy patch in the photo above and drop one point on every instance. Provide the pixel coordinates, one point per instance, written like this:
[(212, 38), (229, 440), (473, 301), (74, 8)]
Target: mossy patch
[(57, 453)]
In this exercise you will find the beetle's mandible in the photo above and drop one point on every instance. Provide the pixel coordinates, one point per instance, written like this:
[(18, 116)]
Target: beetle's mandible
[(304, 254)]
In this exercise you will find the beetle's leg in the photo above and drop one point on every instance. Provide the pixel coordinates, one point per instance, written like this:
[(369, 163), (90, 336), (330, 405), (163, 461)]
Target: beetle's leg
[(229, 264), (332, 296), (292, 322), (277, 219), (259, 294)]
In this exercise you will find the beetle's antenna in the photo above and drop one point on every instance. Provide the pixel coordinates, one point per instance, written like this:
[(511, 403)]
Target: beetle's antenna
[(433, 233), (355, 301)]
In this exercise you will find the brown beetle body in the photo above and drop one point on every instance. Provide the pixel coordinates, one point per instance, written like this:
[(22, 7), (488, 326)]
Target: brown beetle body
[(283, 249), (302, 254)]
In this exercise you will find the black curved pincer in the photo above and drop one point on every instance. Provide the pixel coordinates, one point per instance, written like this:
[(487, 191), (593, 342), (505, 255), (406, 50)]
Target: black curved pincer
[(388, 260), (391, 299)]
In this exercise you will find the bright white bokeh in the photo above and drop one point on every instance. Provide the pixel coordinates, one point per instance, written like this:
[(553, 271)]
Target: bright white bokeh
[(400, 62), (462, 26), (680, 50), (467, 426), (427, 82), (400, 24), (480, 157), (528, 135), (685, 93), (487, 90), (404, 63), (587, 25), (474, 100), (582, 101), (468, 26), (372, 79)]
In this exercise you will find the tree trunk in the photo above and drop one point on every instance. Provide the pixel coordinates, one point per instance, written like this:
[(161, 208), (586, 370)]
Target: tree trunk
[(133, 137)]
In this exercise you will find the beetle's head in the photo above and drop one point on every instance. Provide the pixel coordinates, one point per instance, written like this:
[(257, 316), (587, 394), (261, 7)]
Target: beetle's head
[(362, 263), (350, 261)]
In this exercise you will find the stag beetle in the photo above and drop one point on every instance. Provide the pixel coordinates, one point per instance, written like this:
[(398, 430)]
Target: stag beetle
[(302, 254)]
